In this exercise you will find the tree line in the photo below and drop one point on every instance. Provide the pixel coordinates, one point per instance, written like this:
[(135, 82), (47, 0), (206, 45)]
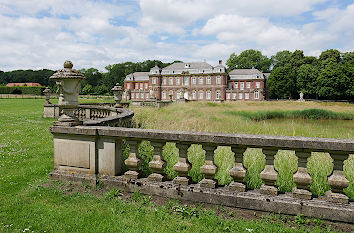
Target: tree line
[(330, 76)]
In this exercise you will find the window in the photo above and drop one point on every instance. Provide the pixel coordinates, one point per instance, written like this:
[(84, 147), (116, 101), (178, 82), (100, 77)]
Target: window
[(193, 95), (208, 81), (141, 86), (146, 95), (142, 95), (164, 82), (178, 81), (194, 80), (163, 95), (153, 81), (228, 96), (171, 81), (217, 95), (170, 94), (256, 95), (128, 85), (146, 86), (136, 85), (233, 96), (201, 80), (201, 95), (242, 85), (240, 96), (218, 80), (186, 80), (235, 85), (258, 84), (248, 85), (247, 96), (133, 96), (178, 95), (208, 95)]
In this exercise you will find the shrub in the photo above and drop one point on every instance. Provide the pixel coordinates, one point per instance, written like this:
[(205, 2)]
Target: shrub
[(22, 90)]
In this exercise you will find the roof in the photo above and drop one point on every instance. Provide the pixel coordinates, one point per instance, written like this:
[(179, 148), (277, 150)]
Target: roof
[(137, 76), (23, 84), (246, 74), (192, 65)]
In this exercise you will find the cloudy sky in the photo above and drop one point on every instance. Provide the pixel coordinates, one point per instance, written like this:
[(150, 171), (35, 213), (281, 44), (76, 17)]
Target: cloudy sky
[(37, 34)]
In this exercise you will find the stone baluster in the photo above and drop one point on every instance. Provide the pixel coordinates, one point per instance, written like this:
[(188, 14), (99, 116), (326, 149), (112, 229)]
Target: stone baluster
[(269, 175), (157, 164), (208, 169), (183, 166), (88, 113), (133, 162), (337, 180), (238, 172), (302, 178)]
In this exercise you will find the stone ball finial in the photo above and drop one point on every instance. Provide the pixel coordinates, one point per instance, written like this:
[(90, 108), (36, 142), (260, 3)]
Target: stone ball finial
[(68, 64)]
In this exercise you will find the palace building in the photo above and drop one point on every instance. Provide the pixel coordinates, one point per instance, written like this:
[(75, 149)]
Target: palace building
[(195, 81)]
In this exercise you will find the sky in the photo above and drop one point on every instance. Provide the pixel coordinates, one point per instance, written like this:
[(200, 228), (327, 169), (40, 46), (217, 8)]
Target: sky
[(42, 34)]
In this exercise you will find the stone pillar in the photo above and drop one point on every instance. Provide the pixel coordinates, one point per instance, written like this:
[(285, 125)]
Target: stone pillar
[(133, 162), (183, 166), (109, 156), (158, 163), (302, 178), (238, 172), (337, 180), (269, 175), (208, 169)]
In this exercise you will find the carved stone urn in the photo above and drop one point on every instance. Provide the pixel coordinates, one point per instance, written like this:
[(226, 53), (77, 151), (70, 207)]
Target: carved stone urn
[(117, 92), (68, 81), (47, 96)]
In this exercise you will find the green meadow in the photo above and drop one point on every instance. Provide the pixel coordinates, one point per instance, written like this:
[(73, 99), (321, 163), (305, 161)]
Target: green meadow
[(28, 203)]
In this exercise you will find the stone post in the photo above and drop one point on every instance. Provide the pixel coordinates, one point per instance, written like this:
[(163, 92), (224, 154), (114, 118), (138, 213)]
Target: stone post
[(208, 169), (118, 92), (238, 172), (133, 162), (47, 96), (68, 81), (183, 166), (157, 164), (269, 175), (302, 178), (337, 180)]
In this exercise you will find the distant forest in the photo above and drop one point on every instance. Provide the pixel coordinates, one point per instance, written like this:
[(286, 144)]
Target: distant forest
[(331, 76)]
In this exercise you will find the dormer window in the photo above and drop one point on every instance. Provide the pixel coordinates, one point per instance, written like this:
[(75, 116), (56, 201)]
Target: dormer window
[(187, 66)]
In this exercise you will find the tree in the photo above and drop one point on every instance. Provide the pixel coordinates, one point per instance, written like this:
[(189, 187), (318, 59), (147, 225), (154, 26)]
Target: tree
[(348, 69), (280, 82), (249, 59), (332, 81), (330, 53), (307, 80), (88, 89), (281, 58)]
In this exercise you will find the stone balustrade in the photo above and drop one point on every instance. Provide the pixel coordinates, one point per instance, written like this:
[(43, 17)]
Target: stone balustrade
[(97, 150)]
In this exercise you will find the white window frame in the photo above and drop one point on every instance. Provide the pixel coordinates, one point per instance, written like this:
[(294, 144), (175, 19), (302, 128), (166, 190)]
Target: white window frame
[(208, 80), (242, 85), (233, 96), (208, 95), (146, 86), (235, 85), (194, 95), (248, 85), (163, 95), (186, 80), (133, 96), (201, 95), (201, 80), (218, 80), (146, 95), (256, 95), (258, 84), (178, 81), (194, 80), (218, 95), (178, 95), (153, 81), (128, 85), (247, 96), (171, 81), (164, 81), (240, 96), (142, 95), (136, 86), (228, 96)]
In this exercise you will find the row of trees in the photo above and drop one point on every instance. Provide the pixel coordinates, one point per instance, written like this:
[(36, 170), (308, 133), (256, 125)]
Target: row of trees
[(331, 76)]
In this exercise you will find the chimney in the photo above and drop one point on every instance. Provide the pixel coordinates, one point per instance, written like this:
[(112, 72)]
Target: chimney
[(220, 62)]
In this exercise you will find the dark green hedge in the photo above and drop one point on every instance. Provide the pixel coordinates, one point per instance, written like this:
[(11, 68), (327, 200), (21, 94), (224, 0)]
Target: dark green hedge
[(22, 90)]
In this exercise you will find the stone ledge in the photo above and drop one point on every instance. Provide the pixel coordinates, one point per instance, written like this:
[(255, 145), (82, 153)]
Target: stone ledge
[(284, 203)]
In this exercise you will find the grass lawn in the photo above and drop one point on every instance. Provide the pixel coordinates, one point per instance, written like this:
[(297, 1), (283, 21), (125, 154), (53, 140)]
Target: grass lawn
[(28, 203)]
